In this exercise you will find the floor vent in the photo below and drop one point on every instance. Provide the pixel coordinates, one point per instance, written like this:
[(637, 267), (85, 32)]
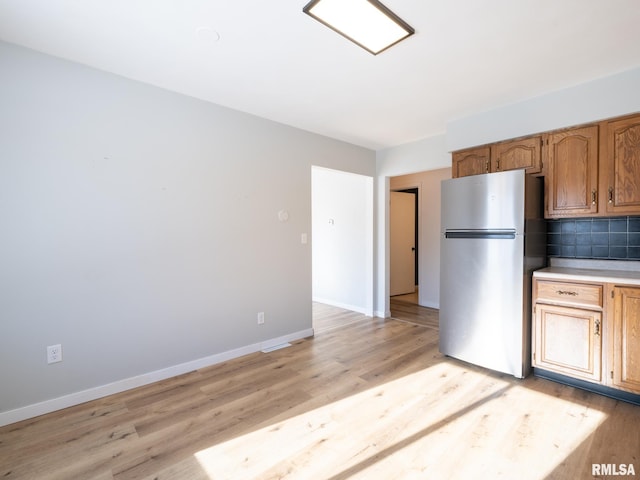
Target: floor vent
[(276, 347)]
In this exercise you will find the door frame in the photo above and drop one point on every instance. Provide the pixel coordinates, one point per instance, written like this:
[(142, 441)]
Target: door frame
[(416, 192), (399, 188)]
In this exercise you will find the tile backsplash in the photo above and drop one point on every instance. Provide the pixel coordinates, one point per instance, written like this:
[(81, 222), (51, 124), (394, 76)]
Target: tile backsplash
[(611, 238)]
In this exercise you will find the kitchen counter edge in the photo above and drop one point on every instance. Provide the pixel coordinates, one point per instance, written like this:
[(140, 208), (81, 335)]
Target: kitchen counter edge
[(621, 277)]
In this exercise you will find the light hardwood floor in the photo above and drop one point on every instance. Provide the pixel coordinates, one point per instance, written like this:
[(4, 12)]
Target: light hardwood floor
[(406, 308), (366, 398)]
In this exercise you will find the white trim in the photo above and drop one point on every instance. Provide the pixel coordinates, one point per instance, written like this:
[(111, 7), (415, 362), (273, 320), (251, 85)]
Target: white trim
[(353, 308), (433, 305), (77, 398)]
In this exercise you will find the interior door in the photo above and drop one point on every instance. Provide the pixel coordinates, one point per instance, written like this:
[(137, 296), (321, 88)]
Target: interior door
[(402, 219)]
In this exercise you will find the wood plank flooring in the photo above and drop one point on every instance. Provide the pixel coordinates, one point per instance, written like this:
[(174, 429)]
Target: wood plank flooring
[(366, 398), (410, 311)]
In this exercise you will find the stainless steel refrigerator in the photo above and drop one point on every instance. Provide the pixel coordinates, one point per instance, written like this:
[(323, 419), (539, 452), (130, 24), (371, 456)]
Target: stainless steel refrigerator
[(493, 237)]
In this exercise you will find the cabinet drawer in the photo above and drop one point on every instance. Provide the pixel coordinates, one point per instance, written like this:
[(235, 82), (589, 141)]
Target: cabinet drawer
[(566, 293)]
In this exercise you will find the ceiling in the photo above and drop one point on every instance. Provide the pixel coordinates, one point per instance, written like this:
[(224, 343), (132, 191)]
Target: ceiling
[(269, 59)]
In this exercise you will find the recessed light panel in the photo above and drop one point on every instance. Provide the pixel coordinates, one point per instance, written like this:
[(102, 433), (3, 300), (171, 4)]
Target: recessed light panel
[(367, 23)]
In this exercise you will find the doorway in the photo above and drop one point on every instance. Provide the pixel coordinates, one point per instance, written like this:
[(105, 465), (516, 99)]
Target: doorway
[(404, 234), (427, 184), (342, 239)]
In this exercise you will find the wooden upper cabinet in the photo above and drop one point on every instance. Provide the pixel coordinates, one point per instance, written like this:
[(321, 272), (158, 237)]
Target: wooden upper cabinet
[(524, 153), (590, 171), (473, 161), (621, 157), (625, 373), (571, 181), (509, 155)]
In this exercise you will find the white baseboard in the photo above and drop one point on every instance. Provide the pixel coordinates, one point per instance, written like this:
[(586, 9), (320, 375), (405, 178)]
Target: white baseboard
[(434, 305), (77, 398), (353, 308)]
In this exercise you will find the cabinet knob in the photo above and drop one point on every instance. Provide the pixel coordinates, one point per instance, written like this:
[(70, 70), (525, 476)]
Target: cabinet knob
[(597, 332), (610, 194), (594, 196)]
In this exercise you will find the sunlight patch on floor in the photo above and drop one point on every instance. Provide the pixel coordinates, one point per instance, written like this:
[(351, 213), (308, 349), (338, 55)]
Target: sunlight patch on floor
[(400, 430)]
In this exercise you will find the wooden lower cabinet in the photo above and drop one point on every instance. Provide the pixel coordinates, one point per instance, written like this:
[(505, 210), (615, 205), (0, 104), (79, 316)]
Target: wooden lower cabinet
[(568, 341), (588, 331), (625, 336)]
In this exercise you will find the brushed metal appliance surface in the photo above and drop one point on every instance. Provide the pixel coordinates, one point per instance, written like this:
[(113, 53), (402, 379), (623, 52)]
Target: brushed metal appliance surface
[(486, 267)]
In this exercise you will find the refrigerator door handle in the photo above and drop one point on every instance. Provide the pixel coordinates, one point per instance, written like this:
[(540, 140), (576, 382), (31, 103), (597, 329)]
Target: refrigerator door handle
[(497, 234)]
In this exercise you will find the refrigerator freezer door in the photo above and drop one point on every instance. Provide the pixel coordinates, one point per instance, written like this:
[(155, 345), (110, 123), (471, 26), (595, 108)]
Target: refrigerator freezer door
[(481, 302), (494, 200)]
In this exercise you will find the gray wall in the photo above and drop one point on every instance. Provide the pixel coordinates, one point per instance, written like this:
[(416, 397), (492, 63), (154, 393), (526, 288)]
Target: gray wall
[(140, 230)]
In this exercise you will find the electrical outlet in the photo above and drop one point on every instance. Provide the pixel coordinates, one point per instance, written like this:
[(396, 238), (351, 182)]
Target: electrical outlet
[(260, 318), (54, 353)]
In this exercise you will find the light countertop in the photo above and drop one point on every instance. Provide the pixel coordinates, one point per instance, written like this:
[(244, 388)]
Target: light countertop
[(601, 275)]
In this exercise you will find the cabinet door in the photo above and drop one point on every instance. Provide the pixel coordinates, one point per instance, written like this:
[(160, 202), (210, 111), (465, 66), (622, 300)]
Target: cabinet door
[(473, 161), (524, 153), (621, 162), (571, 182), (626, 338), (568, 341)]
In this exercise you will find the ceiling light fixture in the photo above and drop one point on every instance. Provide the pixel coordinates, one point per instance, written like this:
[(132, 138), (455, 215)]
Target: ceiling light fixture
[(367, 23)]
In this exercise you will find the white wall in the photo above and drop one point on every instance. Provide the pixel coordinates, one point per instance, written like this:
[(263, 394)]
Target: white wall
[(140, 230), (428, 184), (342, 213), (597, 100)]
